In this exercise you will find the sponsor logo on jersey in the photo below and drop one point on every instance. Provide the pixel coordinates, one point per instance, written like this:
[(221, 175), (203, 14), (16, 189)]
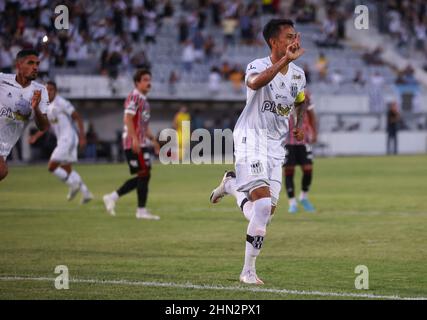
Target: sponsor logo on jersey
[(251, 67), (282, 85), (279, 96), (8, 113), (279, 109), (9, 95)]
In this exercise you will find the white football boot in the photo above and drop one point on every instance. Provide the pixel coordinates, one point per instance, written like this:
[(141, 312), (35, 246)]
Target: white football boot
[(145, 214), (86, 198), (110, 204), (219, 192), (249, 276), (74, 189)]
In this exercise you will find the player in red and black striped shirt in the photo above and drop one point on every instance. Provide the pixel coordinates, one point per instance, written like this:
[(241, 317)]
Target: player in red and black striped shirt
[(300, 153), (138, 142)]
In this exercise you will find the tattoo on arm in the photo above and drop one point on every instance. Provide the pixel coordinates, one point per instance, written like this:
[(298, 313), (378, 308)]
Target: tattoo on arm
[(300, 108)]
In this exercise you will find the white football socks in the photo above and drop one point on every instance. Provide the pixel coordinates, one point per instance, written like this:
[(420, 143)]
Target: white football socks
[(256, 231), (231, 188), (75, 178), (61, 174), (303, 195)]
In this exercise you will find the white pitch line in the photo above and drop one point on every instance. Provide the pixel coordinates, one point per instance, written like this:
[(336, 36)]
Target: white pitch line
[(210, 287)]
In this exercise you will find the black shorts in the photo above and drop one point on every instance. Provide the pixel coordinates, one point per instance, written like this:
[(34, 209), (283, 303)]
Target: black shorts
[(299, 154), (137, 162)]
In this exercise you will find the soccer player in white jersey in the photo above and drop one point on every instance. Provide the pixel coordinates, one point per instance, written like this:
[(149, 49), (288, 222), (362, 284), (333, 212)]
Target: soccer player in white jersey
[(21, 100), (275, 86), (62, 117)]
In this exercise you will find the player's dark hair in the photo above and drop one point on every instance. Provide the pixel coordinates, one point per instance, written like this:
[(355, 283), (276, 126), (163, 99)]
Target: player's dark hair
[(272, 28), (25, 53), (139, 73), (52, 83)]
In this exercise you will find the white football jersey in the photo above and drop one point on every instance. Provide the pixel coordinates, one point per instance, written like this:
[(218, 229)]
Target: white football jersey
[(59, 115), (15, 109), (263, 126)]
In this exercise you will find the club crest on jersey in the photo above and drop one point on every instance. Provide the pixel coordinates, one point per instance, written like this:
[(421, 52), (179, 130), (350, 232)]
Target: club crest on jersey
[(294, 90), (296, 77), (279, 109)]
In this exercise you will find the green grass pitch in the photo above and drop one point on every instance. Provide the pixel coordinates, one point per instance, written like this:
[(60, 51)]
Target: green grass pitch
[(370, 211)]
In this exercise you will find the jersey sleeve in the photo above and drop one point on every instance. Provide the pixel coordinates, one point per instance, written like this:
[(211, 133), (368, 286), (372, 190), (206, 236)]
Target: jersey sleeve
[(130, 105), (68, 108), (253, 68), (44, 101), (301, 94)]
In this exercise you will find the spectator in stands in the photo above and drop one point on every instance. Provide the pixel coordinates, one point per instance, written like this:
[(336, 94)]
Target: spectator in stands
[(229, 25), (393, 119), (214, 80), (329, 35), (209, 48), (91, 143), (236, 77), (337, 78), (373, 57), (322, 64), (421, 34), (198, 42), (150, 25), (304, 11), (358, 78), (225, 70), (133, 25), (183, 30), (188, 56), (6, 59), (139, 60), (44, 65), (376, 97), (173, 79)]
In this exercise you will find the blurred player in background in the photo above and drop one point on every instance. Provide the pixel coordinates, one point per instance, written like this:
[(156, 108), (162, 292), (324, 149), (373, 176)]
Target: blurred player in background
[(62, 117), (183, 134), (275, 86), (136, 144), (21, 100), (300, 153)]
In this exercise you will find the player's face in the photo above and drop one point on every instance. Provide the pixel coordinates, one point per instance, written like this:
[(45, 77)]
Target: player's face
[(28, 67), (51, 92), (144, 84), (286, 36)]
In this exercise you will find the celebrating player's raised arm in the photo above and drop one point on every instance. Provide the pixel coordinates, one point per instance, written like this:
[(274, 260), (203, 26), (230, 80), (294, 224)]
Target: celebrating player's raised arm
[(39, 117), (293, 51)]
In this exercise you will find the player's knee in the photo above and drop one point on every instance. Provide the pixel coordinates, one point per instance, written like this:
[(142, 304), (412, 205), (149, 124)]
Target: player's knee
[(263, 206), (289, 172), (307, 168)]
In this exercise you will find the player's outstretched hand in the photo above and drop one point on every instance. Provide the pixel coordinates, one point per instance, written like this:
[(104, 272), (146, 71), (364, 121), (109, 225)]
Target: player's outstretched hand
[(298, 134), (294, 50), (36, 98)]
